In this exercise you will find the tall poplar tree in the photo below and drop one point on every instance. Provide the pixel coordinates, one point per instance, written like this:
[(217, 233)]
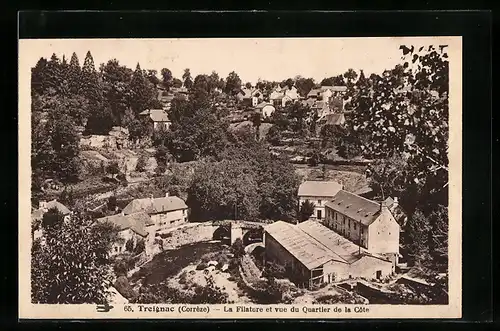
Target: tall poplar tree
[(140, 91), (74, 75)]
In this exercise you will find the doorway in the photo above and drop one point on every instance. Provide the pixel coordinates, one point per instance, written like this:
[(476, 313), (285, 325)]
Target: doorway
[(318, 214), (379, 274)]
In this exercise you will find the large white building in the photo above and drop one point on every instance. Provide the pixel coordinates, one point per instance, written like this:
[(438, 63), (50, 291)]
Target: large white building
[(165, 212), (312, 254), (367, 223), (318, 192)]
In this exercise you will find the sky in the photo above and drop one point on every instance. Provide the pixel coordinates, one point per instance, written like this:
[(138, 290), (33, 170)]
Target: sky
[(253, 58)]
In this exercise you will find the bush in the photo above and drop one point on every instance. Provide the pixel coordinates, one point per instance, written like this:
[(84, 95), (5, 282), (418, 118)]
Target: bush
[(129, 245), (201, 266), (120, 268), (140, 246), (142, 162)]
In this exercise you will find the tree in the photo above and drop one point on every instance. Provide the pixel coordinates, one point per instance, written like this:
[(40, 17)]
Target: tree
[(405, 112), (201, 82), (209, 294), (90, 84), (177, 83), (186, 78), (350, 76), (196, 131), (141, 92), (223, 190), (306, 210), (152, 76), (67, 197), (297, 113), (167, 78), (74, 75), (140, 246), (438, 243), (53, 74), (66, 146), (116, 80), (39, 77), (304, 85), (274, 136), (417, 238), (142, 162), (138, 128), (233, 83), (113, 169), (333, 81), (238, 248), (129, 245), (256, 122), (73, 266), (52, 220)]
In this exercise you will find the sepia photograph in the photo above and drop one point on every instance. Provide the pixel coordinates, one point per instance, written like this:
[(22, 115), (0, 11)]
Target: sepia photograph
[(228, 175)]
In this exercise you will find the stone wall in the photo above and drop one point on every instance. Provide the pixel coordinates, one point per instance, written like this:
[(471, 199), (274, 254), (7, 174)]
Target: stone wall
[(188, 234)]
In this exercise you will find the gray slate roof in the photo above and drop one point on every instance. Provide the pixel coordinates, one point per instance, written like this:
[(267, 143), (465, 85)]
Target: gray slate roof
[(155, 205), (319, 188), (355, 207)]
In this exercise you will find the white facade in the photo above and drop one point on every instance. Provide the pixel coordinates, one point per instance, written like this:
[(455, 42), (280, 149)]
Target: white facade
[(319, 205), (169, 219)]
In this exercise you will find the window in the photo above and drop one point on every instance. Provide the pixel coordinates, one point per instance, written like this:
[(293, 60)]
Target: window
[(354, 226), (319, 202), (116, 249), (349, 224)]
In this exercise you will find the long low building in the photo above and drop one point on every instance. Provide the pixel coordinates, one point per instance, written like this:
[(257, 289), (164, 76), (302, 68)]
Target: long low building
[(313, 254)]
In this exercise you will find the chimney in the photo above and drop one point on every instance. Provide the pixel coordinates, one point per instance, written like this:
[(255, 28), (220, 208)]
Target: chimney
[(166, 195), (383, 207), (151, 198), (395, 202)]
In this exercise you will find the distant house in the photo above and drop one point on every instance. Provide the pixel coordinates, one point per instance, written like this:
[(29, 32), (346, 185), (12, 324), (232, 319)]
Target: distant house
[(325, 93), (165, 212), (281, 96), (43, 207), (318, 192), (265, 108), (158, 118), (133, 226), (396, 210), (249, 96), (314, 254), (365, 222)]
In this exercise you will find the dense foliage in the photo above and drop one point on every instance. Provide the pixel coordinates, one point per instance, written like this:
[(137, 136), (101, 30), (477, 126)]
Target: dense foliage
[(71, 264)]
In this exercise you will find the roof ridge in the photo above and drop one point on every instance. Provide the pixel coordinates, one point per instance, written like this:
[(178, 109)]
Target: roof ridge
[(359, 196), (319, 242)]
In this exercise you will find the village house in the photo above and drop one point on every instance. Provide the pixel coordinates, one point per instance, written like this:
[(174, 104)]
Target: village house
[(135, 227), (279, 97), (312, 254), (249, 96), (318, 192), (165, 212), (43, 208), (158, 118), (367, 223), (265, 109), (116, 138)]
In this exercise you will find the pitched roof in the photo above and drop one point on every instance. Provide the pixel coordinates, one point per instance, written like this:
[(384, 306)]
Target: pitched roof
[(314, 92), (155, 205), (158, 115), (304, 248), (263, 104), (345, 249), (38, 213), (135, 222), (334, 88), (355, 207), (319, 188)]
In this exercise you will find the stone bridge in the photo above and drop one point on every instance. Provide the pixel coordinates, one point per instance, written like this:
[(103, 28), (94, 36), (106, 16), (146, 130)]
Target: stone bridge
[(249, 232)]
